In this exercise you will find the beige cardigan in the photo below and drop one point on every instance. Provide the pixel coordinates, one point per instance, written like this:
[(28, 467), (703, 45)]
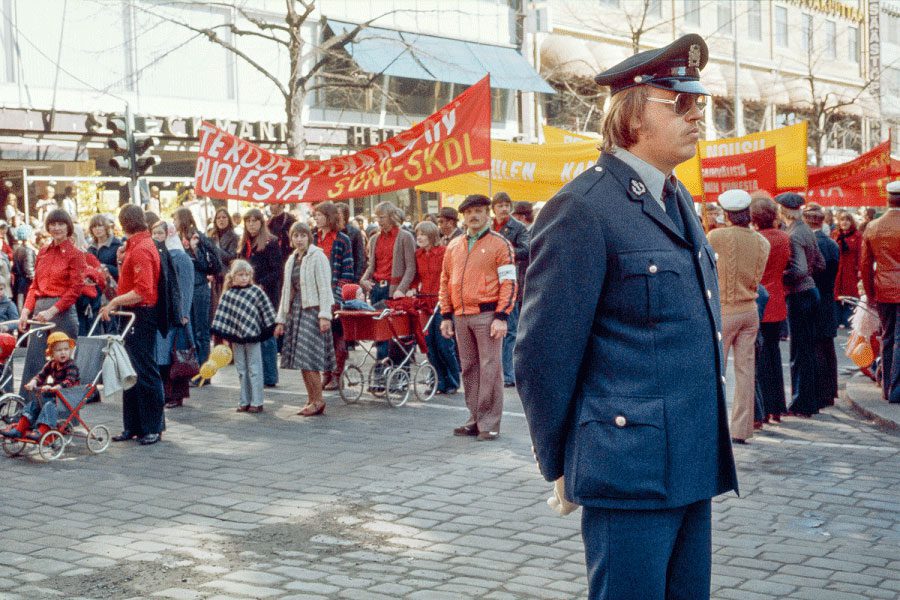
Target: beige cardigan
[(742, 255), (315, 284)]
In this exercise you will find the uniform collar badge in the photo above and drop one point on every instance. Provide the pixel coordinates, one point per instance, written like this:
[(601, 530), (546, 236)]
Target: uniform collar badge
[(637, 187)]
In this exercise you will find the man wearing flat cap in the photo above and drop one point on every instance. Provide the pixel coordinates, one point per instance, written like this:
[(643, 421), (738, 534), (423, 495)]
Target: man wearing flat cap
[(628, 401), (802, 297), (742, 255), (824, 317), (881, 247), (447, 220), (477, 294)]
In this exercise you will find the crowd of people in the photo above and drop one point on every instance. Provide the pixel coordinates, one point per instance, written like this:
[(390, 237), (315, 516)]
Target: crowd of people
[(269, 286)]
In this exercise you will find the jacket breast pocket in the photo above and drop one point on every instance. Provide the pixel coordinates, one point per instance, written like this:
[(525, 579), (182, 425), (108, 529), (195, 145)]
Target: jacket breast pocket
[(659, 281), (621, 448)]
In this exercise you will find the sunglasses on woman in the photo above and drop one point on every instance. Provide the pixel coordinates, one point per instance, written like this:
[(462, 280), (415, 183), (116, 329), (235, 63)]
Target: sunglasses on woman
[(683, 102)]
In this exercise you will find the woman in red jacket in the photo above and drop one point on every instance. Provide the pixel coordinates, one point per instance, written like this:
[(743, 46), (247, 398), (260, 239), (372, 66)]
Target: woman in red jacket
[(426, 285), (848, 239), (58, 281), (769, 379)]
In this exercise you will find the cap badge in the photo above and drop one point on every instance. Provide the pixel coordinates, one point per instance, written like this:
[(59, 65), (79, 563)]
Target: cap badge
[(637, 187), (694, 56)]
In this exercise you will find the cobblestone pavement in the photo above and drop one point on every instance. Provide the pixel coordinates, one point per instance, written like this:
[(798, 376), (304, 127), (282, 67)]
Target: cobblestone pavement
[(372, 502)]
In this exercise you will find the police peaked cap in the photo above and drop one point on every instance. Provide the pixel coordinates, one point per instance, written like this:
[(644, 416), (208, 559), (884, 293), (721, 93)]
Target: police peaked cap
[(675, 67)]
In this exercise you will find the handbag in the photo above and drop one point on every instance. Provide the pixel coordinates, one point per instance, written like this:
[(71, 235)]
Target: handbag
[(184, 361)]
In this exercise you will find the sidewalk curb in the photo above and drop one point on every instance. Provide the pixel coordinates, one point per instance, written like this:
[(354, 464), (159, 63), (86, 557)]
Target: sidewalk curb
[(864, 398)]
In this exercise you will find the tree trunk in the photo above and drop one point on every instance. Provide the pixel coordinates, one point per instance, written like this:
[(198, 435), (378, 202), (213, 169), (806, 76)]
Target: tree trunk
[(296, 129)]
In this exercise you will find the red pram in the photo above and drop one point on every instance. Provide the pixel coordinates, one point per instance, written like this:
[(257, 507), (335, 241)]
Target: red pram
[(403, 325)]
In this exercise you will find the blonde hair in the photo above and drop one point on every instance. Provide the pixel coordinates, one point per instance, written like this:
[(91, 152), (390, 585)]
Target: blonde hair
[(237, 266), (430, 230), (618, 122), (390, 209)]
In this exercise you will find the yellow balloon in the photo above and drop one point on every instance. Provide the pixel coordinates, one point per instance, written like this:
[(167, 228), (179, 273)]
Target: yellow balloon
[(221, 355), (208, 369)]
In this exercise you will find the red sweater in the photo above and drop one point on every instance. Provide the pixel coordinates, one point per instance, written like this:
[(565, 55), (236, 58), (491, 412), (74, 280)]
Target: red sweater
[(140, 268), (58, 273), (779, 255), (428, 270)]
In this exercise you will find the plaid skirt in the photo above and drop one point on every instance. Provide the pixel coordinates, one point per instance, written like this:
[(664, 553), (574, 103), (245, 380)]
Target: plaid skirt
[(305, 347)]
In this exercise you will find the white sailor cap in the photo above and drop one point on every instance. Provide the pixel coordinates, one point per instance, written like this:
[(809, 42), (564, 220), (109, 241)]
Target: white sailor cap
[(734, 200), (893, 187)]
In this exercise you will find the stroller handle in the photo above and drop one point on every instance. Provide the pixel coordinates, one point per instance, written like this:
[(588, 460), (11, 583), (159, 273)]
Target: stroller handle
[(119, 313)]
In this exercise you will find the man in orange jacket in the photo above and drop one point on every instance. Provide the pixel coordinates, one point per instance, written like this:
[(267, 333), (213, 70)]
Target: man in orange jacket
[(478, 291)]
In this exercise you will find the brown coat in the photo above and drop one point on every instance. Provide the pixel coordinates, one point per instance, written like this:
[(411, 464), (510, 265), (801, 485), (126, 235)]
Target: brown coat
[(742, 255), (881, 245)]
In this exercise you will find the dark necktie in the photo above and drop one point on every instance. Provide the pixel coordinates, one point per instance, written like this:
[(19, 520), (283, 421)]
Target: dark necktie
[(670, 199)]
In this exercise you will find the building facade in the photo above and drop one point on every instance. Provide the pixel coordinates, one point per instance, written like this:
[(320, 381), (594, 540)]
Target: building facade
[(66, 67), (772, 63)]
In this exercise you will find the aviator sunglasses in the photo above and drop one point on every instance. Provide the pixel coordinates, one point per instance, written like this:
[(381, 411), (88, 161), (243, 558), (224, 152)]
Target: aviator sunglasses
[(683, 102)]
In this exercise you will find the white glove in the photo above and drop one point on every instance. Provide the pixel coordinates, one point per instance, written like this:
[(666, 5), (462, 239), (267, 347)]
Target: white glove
[(557, 501)]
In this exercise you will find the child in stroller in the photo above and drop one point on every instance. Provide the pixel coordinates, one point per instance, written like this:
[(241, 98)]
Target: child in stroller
[(59, 372)]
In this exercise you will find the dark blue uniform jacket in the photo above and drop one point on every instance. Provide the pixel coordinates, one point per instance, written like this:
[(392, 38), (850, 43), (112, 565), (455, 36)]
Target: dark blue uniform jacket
[(618, 358)]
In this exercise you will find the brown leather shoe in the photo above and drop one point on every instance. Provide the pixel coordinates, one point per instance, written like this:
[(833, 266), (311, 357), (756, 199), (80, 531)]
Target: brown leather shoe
[(255, 409), (465, 430)]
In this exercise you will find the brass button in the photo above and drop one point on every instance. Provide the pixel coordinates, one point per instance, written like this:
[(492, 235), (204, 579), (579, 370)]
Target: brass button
[(620, 421), (653, 269)]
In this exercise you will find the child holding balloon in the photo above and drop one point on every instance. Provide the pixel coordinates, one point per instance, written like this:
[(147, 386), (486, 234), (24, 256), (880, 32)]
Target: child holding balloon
[(245, 318)]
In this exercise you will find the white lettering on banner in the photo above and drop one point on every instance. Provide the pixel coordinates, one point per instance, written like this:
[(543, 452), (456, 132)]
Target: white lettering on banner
[(218, 143), (232, 153), (514, 170), (732, 148), (506, 272), (246, 182), (571, 170), (204, 135), (251, 149), (264, 182)]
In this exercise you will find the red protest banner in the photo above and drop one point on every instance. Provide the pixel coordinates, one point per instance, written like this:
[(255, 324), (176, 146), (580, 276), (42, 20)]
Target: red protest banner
[(750, 171), (454, 140), (859, 182)]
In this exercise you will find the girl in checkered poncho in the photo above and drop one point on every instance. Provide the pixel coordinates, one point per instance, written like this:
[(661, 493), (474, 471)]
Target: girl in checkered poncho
[(245, 318)]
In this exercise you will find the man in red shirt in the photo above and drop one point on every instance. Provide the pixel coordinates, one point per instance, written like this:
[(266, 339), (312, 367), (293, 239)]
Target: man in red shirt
[(142, 405), (392, 261)]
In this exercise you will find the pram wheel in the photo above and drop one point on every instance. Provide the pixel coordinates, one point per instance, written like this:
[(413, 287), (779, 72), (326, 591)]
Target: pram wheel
[(12, 447), (378, 374), (351, 383), (397, 389), (98, 439), (11, 407), (52, 445), (425, 382)]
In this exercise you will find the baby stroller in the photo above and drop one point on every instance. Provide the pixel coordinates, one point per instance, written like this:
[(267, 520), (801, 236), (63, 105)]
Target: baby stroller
[(404, 328), (90, 352)]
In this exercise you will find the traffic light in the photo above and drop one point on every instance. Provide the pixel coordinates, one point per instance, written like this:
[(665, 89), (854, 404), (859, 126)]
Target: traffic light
[(121, 143), (144, 160)]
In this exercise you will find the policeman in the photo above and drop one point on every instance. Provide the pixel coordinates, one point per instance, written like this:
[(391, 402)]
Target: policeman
[(619, 357)]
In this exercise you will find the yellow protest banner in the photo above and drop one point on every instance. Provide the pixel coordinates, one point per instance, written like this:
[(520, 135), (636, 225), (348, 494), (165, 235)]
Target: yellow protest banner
[(531, 172), (555, 135), (790, 149)]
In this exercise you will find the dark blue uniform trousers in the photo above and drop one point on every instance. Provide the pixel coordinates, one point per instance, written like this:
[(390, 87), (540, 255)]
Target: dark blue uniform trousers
[(660, 554)]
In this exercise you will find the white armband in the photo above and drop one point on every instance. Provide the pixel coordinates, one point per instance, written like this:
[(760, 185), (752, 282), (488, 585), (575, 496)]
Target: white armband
[(506, 272)]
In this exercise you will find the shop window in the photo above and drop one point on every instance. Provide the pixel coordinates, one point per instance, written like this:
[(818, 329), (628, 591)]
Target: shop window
[(853, 44), (754, 21), (723, 117), (692, 12), (806, 36), (754, 117), (577, 105), (830, 39)]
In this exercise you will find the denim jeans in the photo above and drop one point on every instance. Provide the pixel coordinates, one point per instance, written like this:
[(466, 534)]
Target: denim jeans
[(270, 361), (509, 345), (248, 364), (442, 356), (377, 294), (200, 320)]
